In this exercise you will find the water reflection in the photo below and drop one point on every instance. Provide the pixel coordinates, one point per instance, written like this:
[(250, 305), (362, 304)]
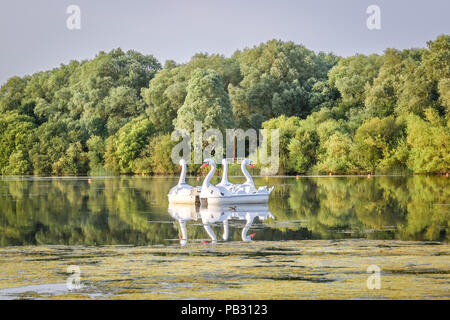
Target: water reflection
[(183, 213), (219, 216), (248, 213), (134, 210)]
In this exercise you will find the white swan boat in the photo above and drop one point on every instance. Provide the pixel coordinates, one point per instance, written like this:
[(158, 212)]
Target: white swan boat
[(248, 187), (245, 193), (183, 193), (225, 183)]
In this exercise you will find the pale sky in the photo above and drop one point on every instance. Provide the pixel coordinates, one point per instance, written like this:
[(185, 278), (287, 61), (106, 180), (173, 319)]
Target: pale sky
[(34, 35)]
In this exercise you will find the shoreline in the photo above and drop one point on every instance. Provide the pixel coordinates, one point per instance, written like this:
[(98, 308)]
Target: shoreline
[(230, 176)]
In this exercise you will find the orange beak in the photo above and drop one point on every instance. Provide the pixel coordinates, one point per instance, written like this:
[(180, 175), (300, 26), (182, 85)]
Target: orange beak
[(252, 235), (204, 242), (251, 165), (179, 167), (204, 165)]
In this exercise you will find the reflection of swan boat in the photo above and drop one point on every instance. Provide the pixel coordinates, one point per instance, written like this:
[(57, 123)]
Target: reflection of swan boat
[(219, 215), (246, 212), (249, 213), (239, 194), (215, 214), (182, 192), (183, 213)]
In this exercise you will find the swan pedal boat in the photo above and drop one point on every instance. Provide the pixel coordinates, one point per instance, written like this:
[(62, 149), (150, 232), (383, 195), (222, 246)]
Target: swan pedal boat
[(183, 193), (245, 193), (222, 194)]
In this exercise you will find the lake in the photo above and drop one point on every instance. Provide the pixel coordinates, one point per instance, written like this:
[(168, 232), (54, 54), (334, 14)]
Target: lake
[(318, 238), (135, 211)]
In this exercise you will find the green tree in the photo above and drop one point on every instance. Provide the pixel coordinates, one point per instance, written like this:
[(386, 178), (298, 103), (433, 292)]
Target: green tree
[(337, 156), (12, 93), (436, 59), (287, 127), (122, 105), (302, 150), (74, 161), (277, 77), (96, 151), (156, 157), (104, 92), (56, 144), (429, 143), (167, 91), (376, 141), (418, 91), (127, 144), (444, 92), (352, 75), (206, 101), (16, 132), (382, 96)]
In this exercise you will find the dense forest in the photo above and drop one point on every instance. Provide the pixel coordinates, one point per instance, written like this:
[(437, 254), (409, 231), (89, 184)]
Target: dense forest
[(115, 113)]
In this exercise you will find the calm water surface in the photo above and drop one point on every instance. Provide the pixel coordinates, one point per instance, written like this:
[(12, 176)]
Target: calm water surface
[(135, 210)]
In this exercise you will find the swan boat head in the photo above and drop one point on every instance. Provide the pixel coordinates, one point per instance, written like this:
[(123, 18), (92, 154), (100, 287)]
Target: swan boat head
[(248, 187), (225, 183), (182, 192), (208, 190), (248, 162)]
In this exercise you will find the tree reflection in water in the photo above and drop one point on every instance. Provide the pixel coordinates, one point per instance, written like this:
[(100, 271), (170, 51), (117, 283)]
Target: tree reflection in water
[(134, 210)]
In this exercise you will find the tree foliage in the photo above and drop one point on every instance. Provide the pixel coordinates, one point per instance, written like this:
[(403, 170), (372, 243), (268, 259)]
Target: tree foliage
[(277, 78), (359, 114), (206, 101)]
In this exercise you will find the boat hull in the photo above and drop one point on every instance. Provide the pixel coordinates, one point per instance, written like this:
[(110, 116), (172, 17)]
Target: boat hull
[(241, 199), (182, 199)]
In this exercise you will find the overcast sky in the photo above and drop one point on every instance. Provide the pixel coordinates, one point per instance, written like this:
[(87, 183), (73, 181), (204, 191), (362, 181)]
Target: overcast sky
[(34, 35)]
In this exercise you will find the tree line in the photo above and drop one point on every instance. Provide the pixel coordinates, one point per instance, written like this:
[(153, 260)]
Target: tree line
[(115, 113)]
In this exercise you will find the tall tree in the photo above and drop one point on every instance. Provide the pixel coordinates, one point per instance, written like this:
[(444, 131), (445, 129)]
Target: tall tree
[(206, 101), (382, 96), (351, 76), (167, 91), (277, 79)]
